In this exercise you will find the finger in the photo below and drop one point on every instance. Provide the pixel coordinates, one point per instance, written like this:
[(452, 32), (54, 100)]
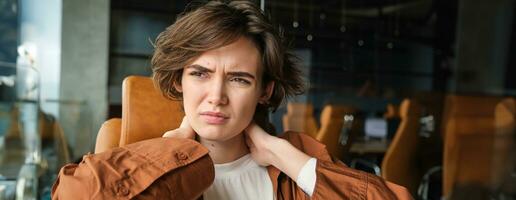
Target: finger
[(256, 133), (252, 148), (185, 124), (250, 126), (251, 130), (186, 128), (170, 134), (178, 133), (250, 143)]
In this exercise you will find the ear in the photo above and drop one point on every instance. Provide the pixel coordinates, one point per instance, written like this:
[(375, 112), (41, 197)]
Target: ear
[(178, 87), (267, 93)]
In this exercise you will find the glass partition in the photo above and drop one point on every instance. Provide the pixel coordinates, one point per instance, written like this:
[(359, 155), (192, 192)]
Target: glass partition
[(20, 150)]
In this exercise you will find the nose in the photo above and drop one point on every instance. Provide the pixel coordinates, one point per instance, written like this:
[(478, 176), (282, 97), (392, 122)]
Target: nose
[(217, 94)]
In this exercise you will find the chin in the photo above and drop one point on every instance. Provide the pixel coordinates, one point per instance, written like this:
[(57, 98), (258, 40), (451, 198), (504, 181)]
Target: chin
[(216, 133)]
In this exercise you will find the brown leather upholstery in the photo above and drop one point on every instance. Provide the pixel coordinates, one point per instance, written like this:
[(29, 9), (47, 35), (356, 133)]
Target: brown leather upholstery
[(332, 120), (109, 135), (469, 134), (300, 118), (399, 164), (49, 129), (145, 114), (504, 155), (392, 111)]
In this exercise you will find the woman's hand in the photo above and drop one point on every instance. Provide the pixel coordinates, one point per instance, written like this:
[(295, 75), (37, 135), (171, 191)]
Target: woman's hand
[(184, 131), (270, 150), (259, 142)]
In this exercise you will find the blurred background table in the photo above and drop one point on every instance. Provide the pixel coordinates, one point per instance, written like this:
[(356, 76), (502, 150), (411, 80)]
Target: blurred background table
[(369, 147)]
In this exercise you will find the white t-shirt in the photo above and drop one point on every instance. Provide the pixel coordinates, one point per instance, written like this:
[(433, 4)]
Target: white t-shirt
[(240, 179), (245, 179)]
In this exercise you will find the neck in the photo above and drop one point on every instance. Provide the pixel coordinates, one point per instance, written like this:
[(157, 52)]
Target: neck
[(226, 151)]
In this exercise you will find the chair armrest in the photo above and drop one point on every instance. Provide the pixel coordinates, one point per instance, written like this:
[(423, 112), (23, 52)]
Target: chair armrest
[(109, 135), (422, 191)]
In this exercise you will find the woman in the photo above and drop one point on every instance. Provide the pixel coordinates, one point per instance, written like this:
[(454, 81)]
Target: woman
[(229, 67)]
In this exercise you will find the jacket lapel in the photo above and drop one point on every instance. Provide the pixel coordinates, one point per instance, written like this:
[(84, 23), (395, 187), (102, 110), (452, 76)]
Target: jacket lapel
[(274, 174)]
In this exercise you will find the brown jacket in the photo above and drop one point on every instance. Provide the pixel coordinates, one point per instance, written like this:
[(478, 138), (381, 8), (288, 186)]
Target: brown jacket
[(164, 168)]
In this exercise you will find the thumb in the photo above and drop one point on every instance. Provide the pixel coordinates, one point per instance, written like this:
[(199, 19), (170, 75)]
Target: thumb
[(186, 128), (253, 130)]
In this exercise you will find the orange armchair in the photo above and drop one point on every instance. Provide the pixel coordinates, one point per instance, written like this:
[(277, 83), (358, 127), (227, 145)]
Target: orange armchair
[(504, 155), (399, 164), (332, 121), (146, 114), (300, 118), (469, 135)]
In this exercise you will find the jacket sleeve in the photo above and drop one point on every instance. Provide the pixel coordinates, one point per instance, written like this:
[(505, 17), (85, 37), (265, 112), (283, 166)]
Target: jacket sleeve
[(151, 168), (335, 180)]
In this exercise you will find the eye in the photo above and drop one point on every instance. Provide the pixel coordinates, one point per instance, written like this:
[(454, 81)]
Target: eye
[(240, 81), (199, 74)]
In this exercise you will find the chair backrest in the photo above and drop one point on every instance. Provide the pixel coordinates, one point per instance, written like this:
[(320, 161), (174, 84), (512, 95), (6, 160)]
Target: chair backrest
[(504, 155), (300, 118), (332, 121), (468, 127), (399, 164), (108, 136), (392, 111), (146, 114)]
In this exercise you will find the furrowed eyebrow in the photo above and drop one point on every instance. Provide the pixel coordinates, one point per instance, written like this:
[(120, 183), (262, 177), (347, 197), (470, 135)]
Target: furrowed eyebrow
[(200, 68), (241, 74), (237, 73)]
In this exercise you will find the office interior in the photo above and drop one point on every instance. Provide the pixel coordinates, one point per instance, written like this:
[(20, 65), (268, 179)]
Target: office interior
[(419, 92)]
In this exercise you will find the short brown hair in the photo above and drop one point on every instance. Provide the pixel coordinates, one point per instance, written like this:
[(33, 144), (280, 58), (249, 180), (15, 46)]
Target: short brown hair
[(217, 24)]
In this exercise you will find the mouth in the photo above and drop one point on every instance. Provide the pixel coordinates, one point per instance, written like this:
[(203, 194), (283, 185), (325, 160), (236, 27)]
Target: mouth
[(215, 118)]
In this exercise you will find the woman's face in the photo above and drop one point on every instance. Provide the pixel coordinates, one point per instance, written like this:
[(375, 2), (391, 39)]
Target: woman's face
[(221, 89)]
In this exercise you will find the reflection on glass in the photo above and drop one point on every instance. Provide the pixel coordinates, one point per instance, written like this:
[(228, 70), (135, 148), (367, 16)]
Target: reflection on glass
[(20, 143), (7, 189), (7, 91), (27, 183), (27, 94)]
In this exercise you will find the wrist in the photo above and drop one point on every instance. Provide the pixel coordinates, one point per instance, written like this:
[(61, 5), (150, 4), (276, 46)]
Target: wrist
[(287, 158), (274, 147)]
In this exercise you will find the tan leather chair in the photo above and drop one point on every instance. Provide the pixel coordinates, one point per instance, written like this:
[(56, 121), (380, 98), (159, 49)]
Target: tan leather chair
[(392, 111), (504, 155), (146, 114), (300, 118), (399, 163), (469, 135), (49, 129), (332, 120)]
